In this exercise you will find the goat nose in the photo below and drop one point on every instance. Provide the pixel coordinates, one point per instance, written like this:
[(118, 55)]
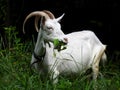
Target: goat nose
[(66, 40)]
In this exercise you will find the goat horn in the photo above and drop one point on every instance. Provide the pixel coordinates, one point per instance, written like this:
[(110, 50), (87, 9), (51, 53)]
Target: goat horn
[(38, 14), (36, 22), (49, 14)]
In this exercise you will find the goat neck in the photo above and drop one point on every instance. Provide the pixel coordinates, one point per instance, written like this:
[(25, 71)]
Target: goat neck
[(40, 44)]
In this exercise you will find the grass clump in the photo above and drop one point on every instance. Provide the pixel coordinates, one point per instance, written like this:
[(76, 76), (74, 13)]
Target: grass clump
[(15, 72)]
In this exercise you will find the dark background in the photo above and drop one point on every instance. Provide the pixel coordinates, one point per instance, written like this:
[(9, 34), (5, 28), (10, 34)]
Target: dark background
[(100, 16)]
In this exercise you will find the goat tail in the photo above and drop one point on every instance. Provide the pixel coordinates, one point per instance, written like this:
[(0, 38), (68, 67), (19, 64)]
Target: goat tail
[(104, 58)]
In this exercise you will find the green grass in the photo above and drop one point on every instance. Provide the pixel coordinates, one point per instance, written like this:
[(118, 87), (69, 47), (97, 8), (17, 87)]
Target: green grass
[(15, 72)]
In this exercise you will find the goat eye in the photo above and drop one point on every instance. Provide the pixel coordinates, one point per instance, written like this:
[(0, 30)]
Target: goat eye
[(49, 28)]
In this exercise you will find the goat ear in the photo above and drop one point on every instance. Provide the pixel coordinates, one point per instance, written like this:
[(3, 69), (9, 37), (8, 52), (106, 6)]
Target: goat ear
[(43, 19), (59, 18)]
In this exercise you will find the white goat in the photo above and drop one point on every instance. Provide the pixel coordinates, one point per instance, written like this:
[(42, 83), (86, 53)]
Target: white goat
[(83, 49)]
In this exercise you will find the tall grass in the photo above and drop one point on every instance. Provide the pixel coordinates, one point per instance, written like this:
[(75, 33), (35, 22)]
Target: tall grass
[(15, 72)]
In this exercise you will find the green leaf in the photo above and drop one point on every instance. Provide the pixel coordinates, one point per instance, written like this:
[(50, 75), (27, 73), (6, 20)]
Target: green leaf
[(59, 45), (56, 42)]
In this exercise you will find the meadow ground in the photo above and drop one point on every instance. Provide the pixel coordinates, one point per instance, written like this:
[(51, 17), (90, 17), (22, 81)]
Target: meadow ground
[(15, 72)]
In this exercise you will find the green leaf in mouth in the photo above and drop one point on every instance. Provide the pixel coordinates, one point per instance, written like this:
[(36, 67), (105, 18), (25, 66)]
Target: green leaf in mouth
[(59, 45)]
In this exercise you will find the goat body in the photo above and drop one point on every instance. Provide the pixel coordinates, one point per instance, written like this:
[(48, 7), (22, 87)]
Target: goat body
[(83, 51)]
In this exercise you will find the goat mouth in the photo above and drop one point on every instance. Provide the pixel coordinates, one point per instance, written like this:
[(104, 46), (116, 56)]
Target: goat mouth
[(59, 45)]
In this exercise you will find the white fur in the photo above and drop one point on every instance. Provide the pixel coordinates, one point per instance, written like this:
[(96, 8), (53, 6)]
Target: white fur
[(84, 50)]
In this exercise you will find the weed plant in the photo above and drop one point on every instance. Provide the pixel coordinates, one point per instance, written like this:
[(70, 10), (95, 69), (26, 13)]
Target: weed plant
[(15, 72)]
